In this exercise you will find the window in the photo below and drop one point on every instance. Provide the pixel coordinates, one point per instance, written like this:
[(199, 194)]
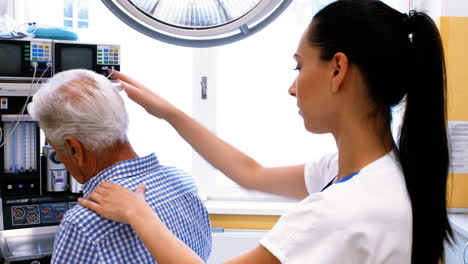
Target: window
[(68, 13), (75, 13)]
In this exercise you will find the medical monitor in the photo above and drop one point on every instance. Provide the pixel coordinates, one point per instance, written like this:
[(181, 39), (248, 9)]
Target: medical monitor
[(95, 57), (10, 58), (77, 57), (25, 59)]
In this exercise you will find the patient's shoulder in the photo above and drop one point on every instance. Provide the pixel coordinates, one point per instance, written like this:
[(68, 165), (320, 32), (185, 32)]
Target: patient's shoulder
[(168, 172), (163, 178), (89, 223)]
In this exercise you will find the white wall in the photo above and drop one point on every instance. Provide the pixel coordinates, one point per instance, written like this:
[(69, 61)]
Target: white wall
[(36, 14), (233, 243), (438, 8), (432, 7), (6, 8), (455, 8)]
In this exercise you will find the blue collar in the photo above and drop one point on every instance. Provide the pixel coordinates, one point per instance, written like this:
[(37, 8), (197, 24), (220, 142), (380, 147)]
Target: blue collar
[(347, 178)]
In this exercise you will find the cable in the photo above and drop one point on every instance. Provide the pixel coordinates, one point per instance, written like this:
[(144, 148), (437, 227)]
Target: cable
[(110, 71), (23, 109), (117, 85)]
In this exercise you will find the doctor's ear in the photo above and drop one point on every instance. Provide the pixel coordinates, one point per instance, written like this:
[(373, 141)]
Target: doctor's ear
[(339, 66)]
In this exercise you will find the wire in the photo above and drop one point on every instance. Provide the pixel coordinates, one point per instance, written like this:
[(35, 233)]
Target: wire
[(23, 109), (110, 72)]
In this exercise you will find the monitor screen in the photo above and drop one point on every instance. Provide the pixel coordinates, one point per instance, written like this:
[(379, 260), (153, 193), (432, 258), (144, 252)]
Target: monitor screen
[(76, 58), (10, 59)]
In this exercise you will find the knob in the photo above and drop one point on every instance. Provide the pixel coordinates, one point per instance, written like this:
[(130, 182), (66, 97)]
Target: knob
[(32, 217), (18, 212), (46, 210), (59, 215)]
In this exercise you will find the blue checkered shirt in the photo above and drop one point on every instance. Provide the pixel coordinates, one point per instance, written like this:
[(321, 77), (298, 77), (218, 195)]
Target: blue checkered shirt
[(84, 237)]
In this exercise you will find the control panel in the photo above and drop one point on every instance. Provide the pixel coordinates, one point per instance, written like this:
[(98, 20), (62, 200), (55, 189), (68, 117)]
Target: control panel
[(108, 57), (26, 213), (108, 54), (38, 214), (39, 52), (53, 213), (26, 58)]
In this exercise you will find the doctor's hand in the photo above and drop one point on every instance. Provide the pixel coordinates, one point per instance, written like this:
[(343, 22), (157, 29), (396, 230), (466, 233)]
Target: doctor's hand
[(115, 202), (150, 101)]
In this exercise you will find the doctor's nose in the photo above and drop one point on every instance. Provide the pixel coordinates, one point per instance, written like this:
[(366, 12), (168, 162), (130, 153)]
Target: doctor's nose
[(292, 89)]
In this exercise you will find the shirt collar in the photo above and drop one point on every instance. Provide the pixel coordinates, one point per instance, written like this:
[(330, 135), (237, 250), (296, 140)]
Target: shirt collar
[(123, 169)]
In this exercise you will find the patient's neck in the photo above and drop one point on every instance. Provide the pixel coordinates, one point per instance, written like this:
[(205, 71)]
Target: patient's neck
[(119, 151)]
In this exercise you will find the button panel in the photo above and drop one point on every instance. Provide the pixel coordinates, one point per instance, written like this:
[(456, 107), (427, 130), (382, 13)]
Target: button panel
[(108, 55), (25, 215), (53, 213), (46, 213), (39, 51)]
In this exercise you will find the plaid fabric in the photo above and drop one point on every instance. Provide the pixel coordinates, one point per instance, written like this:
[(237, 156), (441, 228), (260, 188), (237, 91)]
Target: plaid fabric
[(85, 237)]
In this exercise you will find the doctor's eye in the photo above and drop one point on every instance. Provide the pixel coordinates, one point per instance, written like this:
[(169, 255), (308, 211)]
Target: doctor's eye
[(298, 67)]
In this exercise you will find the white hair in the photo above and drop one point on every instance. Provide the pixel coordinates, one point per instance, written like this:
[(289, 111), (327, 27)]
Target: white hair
[(80, 104)]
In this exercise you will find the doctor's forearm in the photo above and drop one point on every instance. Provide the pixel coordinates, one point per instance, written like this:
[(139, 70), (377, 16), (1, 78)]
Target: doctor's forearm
[(163, 245)]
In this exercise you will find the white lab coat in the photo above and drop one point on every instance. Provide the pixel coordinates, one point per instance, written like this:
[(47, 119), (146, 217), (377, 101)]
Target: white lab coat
[(366, 220)]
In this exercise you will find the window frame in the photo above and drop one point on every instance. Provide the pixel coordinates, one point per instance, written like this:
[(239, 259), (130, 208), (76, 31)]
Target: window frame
[(75, 14)]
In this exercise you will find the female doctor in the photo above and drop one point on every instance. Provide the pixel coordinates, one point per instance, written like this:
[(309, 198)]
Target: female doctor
[(374, 201)]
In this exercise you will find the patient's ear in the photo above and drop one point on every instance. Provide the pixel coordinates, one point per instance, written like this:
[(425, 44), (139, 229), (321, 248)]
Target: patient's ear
[(75, 149)]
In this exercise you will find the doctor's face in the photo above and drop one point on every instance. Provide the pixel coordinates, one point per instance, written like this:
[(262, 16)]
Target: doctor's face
[(312, 87)]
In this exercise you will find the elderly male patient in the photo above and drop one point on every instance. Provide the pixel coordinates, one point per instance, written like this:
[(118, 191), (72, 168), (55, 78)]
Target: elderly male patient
[(84, 119)]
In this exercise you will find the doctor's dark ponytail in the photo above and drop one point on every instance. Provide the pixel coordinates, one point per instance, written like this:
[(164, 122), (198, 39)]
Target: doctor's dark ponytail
[(402, 60), (423, 142)]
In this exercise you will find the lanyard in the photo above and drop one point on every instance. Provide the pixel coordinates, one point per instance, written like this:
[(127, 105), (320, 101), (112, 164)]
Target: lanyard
[(340, 181)]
